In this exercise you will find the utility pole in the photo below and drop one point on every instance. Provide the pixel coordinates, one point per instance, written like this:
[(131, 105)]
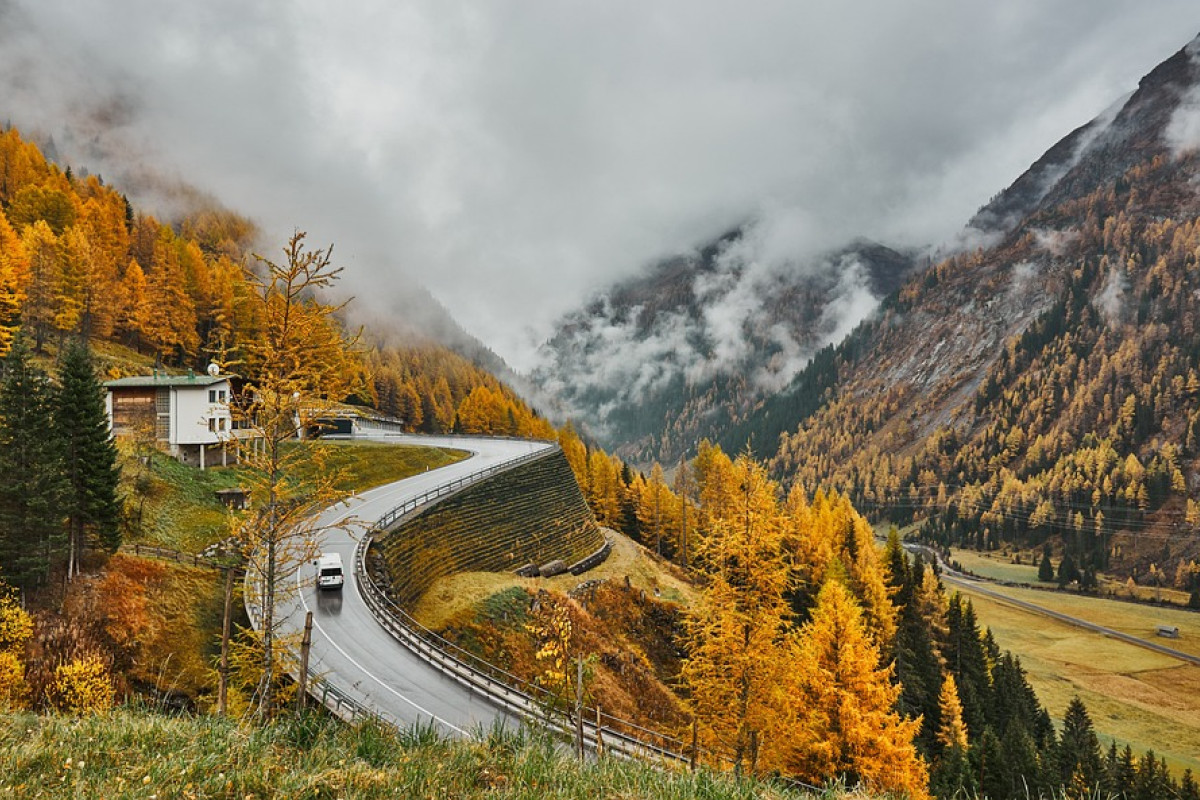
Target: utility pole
[(223, 672)]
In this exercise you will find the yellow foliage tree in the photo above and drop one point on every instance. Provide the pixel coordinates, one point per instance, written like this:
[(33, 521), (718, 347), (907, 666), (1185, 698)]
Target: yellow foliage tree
[(42, 250), (13, 266), (952, 731), (653, 508), (848, 719), (552, 630), (603, 490), (829, 529), (132, 311), (738, 652), (299, 370)]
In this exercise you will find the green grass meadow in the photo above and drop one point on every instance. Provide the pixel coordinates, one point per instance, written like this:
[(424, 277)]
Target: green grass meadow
[(173, 505)]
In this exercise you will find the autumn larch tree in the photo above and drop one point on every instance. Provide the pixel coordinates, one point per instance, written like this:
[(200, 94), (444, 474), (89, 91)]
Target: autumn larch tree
[(951, 773), (849, 726), (13, 267), (45, 267), (298, 368), (738, 651)]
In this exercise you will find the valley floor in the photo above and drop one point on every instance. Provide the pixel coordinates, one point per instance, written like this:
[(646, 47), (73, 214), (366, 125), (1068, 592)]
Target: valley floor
[(1146, 699)]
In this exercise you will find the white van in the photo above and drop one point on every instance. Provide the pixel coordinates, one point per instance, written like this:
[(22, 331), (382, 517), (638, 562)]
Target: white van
[(329, 571)]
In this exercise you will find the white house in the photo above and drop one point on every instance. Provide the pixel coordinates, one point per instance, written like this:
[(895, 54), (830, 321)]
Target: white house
[(188, 413)]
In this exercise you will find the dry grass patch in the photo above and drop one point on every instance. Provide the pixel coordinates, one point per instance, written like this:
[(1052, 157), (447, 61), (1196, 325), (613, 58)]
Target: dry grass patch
[(450, 597), (997, 567), (1135, 619)]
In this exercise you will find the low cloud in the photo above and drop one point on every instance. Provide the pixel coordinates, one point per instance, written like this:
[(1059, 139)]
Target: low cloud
[(1110, 301), (746, 316), (515, 157), (1183, 131)]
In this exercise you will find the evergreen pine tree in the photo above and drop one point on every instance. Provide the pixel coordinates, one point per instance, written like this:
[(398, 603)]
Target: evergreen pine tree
[(898, 576), (1122, 773), (1013, 701), (1153, 781), (987, 762), (1077, 757), (89, 458), (33, 488), (919, 671), (1045, 568), (967, 662), (1068, 572), (1188, 790), (1019, 751)]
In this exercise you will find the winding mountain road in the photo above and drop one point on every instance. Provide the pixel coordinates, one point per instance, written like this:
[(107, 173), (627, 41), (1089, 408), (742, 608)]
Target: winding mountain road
[(350, 650)]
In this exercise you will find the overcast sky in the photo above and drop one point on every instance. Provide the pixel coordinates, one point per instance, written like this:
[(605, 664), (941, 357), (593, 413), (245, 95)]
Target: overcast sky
[(515, 155)]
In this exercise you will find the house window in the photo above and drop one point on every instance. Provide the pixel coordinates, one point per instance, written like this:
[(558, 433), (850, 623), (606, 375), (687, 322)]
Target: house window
[(212, 395), (221, 424), (221, 395), (212, 425)]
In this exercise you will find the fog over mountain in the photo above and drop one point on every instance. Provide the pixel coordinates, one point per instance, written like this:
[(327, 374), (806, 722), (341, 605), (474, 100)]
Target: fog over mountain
[(514, 157)]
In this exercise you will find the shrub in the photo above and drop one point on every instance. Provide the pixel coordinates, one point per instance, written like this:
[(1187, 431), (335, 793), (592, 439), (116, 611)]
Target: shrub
[(82, 687), (13, 689), (15, 625)]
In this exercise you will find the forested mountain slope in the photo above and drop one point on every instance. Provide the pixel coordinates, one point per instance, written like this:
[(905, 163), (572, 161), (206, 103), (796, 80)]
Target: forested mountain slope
[(1047, 385), (78, 259)]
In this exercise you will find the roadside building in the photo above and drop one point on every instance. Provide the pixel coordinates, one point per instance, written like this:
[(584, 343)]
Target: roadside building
[(188, 415)]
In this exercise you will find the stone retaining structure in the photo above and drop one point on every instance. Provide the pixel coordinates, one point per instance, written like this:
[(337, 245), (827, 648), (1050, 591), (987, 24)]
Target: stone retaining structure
[(533, 513)]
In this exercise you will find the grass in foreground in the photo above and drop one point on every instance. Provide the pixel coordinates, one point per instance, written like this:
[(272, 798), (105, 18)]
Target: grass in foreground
[(135, 754)]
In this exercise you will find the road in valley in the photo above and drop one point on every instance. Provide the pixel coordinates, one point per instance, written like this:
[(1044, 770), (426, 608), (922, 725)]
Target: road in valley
[(954, 578), (350, 649)]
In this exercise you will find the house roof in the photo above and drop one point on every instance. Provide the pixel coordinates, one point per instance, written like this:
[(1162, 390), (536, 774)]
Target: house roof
[(141, 381)]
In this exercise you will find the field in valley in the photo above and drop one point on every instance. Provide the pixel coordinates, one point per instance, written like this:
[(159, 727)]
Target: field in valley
[(1146, 699)]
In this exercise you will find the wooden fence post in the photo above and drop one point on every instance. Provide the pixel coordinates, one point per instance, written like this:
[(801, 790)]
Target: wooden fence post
[(695, 743), (599, 736), (579, 703), (305, 646)]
